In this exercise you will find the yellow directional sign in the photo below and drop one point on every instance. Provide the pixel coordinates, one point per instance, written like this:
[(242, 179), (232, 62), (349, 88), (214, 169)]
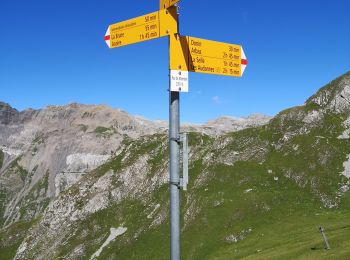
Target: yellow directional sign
[(179, 53), (206, 56), (164, 4), (143, 28)]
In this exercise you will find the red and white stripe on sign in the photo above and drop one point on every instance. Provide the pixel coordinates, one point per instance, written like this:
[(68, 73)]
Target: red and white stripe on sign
[(244, 61), (108, 38)]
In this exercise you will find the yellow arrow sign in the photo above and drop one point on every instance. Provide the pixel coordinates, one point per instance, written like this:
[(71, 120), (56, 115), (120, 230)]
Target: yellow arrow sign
[(142, 28), (204, 56), (179, 53), (164, 4)]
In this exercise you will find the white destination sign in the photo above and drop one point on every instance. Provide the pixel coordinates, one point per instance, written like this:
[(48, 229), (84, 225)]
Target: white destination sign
[(179, 81)]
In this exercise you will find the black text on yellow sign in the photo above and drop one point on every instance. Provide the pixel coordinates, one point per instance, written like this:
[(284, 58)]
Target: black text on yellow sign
[(204, 56), (142, 28)]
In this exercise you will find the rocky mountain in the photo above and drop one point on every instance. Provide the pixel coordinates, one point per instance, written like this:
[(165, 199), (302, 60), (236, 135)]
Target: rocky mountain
[(90, 182), (231, 124), (62, 143)]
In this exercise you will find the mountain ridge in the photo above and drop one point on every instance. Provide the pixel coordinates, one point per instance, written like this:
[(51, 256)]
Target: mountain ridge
[(65, 142), (258, 117)]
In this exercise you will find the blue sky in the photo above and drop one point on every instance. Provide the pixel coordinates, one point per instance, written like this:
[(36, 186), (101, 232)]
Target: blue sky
[(53, 52)]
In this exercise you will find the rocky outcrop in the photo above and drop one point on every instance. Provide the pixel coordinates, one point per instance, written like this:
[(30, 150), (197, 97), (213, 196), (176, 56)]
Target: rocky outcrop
[(7, 113), (335, 96)]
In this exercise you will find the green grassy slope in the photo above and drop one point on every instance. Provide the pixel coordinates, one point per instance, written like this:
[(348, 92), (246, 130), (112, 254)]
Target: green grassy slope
[(262, 209), (12, 236), (276, 219)]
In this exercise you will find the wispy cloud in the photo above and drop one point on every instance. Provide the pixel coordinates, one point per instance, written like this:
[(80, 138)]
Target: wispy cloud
[(216, 100)]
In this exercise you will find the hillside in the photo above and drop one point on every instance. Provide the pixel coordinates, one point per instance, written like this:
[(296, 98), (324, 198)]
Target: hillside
[(79, 182)]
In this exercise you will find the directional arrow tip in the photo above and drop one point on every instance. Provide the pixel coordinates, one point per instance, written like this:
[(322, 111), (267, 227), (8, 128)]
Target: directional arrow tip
[(107, 38), (244, 62)]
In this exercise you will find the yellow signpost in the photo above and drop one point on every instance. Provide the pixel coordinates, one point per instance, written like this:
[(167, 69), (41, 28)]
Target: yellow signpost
[(164, 4), (205, 56), (142, 28), (185, 54)]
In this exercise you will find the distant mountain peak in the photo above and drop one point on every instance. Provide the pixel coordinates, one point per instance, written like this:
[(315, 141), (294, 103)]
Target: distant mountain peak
[(7, 113), (237, 123)]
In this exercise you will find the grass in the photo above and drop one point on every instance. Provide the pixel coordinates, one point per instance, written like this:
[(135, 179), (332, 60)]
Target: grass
[(283, 214), (36, 199), (17, 169), (295, 237), (284, 219), (12, 236), (3, 202), (83, 127), (101, 130), (133, 215), (101, 222)]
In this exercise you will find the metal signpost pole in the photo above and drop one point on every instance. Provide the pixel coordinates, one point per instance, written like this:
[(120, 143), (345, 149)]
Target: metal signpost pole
[(174, 144), (174, 166)]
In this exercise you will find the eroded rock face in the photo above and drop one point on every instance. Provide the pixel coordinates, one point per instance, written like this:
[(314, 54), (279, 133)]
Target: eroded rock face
[(65, 142), (61, 142)]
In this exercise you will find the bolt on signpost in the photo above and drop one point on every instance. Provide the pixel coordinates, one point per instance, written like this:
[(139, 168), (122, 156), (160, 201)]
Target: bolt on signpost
[(186, 54)]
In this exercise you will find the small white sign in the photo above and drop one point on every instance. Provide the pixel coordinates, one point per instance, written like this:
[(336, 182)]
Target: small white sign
[(179, 81)]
